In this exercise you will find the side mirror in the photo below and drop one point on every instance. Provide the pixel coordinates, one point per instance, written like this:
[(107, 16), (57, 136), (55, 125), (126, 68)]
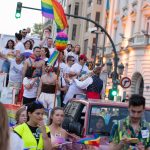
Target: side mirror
[(75, 127)]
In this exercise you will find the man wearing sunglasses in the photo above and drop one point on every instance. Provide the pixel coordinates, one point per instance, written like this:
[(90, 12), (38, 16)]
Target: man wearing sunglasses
[(76, 71)]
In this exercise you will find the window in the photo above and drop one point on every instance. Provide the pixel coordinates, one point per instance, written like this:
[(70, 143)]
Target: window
[(89, 3), (87, 23), (102, 118), (148, 25), (99, 2), (69, 10), (115, 34), (93, 46), (97, 17), (85, 45), (76, 10), (74, 30), (133, 27)]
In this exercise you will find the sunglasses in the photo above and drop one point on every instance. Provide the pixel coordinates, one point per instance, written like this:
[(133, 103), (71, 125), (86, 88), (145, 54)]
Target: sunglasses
[(72, 60)]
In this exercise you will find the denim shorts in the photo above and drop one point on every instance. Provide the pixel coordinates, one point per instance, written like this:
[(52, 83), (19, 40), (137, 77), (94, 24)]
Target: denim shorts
[(6, 66)]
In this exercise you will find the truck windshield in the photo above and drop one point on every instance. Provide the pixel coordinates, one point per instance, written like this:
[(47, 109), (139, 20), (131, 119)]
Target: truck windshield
[(102, 118)]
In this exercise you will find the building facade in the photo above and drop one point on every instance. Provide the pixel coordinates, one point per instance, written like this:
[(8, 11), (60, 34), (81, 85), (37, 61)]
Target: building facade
[(79, 30), (129, 27)]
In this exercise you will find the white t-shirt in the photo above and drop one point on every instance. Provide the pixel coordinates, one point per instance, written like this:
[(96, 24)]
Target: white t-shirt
[(62, 68), (16, 142), (5, 51), (30, 93), (15, 73), (20, 47), (77, 68), (51, 50), (67, 69)]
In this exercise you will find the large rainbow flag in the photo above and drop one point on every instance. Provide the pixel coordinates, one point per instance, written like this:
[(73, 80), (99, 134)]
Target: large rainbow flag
[(53, 9), (95, 140)]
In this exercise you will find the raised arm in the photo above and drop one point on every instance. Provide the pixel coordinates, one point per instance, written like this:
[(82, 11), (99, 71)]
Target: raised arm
[(25, 66)]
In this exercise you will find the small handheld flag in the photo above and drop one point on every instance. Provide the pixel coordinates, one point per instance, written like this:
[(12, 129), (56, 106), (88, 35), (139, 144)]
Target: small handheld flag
[(95, 140), (53, 58)]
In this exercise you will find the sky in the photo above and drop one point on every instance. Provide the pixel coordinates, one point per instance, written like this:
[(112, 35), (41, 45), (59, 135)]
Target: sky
[(9, 24)]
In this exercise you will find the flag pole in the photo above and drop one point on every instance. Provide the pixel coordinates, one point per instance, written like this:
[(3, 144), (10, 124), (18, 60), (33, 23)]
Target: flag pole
[(57, 81)]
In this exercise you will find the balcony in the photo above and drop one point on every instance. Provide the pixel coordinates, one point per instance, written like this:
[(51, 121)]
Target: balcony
[(139, 40), (109, 48)]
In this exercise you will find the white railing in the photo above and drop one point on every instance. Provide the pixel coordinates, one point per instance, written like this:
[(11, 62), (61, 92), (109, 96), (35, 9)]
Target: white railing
[(139, 40)]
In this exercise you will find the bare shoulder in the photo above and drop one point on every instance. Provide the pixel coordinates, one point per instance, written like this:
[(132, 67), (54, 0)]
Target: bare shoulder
[(64, 132)]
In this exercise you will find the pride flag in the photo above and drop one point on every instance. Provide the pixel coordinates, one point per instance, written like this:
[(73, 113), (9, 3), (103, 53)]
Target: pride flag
[(53, 9), (95, 140), (47, 9), (53, 58), (107, 8)]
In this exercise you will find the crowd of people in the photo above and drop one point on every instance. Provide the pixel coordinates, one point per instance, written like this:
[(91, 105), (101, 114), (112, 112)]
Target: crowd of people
[(28, 72), (40, 87)]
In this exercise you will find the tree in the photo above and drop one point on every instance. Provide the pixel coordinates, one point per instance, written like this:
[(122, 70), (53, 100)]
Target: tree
[(37, 29)]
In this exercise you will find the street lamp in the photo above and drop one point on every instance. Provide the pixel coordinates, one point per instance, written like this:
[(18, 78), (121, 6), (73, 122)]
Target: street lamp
[(109, 67), (95, 31), (120, 69), (114, 91)]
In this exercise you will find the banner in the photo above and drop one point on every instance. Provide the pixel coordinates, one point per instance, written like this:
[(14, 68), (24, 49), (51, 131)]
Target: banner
[(7, 95), (11, 111), (3, 77)]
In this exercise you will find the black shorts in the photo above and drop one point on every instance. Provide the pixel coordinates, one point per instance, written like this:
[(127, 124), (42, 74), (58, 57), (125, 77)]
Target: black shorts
[(28, 100)]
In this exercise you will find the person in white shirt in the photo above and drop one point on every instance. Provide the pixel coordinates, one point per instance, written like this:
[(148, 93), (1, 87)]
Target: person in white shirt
[(70, 62), (68, 49), (78, 69), (75, 53), (15, 74), (9, 52), (45, 53), (19, 47), (92, 84), (30, 83), (47, 34), (16, 143), (28, 49)]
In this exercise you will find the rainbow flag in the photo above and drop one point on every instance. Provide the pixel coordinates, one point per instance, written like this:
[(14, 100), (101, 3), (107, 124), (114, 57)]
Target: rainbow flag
[(53, 58), (47, 9), (95, 140), (53, 9), (107, 8)]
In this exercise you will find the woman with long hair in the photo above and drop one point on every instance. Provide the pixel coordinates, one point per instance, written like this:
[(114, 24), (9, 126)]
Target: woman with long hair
[(4, 129), (34, 133), (57, 132), (59, 136), (28, 49), (45, 54), (9, 53)]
